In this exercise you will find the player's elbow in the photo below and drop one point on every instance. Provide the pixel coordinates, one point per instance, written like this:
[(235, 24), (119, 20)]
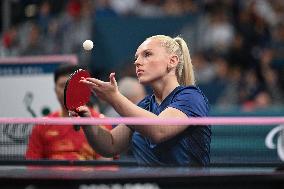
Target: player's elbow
[(105, 152), (107, 156)]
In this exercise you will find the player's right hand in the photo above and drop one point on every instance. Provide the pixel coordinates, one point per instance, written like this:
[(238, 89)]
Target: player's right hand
[(82, 111)]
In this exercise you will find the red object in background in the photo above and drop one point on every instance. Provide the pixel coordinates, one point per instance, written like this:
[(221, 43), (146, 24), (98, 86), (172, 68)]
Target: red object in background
[(7, 40), (74, 8)]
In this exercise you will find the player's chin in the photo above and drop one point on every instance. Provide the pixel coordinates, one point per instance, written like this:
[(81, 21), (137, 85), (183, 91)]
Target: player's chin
[(143, 81)]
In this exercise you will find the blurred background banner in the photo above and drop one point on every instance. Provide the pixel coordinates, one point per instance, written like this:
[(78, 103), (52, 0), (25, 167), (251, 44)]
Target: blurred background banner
[(23, 80)]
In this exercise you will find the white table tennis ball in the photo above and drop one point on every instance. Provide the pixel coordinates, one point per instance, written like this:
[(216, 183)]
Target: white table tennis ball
[(88, 45)]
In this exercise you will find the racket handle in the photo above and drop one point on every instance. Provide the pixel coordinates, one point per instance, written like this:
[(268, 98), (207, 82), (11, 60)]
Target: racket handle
[(76, 127)]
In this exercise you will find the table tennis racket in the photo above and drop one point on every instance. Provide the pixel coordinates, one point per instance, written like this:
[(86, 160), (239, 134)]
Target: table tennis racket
[(75, 93)]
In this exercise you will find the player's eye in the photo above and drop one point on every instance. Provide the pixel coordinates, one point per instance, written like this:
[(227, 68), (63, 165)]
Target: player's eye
[(147, 53)]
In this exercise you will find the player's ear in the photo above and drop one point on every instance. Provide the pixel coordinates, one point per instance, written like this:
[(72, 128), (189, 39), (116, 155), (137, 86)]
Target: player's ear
[(173, 62)]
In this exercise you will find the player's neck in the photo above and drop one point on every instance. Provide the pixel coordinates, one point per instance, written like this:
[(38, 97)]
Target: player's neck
[(163, 89)]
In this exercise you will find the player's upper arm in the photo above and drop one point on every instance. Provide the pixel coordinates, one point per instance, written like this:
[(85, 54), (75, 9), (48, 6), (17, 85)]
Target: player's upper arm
[(190, 102), (166, 132)]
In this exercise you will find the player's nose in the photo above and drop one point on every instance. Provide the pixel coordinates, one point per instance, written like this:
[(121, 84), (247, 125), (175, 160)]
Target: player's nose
[(137, 62)]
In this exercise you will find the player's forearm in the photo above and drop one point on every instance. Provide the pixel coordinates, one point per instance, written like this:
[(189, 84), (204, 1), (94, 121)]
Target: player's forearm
[(128, 109), (100, 140)]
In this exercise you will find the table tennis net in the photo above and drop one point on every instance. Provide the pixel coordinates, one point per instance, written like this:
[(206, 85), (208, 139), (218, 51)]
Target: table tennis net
[(230, 143)]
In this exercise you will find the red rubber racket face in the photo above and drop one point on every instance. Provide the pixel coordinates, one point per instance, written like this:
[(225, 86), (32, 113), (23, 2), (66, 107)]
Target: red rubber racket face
[(75, 93)]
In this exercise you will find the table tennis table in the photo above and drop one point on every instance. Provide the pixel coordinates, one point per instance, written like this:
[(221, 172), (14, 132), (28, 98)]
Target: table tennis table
[(119, 174)]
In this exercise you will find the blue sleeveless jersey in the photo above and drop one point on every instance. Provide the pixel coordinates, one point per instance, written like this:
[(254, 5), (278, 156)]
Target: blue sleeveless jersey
[(191, 147)]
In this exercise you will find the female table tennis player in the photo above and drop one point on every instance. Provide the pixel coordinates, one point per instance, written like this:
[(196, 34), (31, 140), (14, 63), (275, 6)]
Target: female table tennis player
[(164, 63)]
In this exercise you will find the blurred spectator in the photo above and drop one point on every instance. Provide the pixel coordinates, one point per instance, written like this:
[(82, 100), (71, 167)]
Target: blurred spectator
[(34, 44), (278, 45), (270, 77), (53, 39), (264, 9), (219, 82), (278, 49), (44, 16), (103, 8), (218, 33), (123, 7), (77, 23), (250, 86), (150, 8), (205, 71), (229, 98), (261, 101), (238, 55), (173, 7), (10, 43), (190, 6)]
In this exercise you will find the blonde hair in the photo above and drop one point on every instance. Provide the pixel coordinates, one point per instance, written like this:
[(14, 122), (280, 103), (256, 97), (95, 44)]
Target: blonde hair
[(178, 46)]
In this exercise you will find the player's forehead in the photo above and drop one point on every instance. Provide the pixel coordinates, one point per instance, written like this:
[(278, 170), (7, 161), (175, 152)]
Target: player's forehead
[(149, 44)]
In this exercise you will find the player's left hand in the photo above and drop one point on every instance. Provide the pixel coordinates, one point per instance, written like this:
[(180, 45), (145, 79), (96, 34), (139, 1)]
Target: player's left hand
[(104, 90)]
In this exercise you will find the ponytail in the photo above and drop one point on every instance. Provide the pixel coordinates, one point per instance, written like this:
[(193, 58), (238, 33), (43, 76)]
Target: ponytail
[(185, 73)]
